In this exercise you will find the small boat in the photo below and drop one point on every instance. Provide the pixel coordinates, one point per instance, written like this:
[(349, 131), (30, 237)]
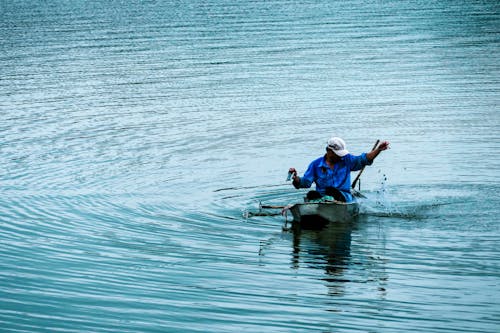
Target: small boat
[(317, 214)]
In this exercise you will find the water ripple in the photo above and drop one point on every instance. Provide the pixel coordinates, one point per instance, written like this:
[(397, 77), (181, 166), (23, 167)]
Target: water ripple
[(136, 140)]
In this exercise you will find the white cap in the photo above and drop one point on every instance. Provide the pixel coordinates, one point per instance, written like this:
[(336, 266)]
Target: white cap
[(338, 146)]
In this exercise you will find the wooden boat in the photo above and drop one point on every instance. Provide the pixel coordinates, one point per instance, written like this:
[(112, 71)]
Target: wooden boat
[(320, 213)]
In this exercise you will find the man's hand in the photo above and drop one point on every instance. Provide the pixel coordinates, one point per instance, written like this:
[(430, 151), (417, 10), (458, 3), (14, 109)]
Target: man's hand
[(374, 153), (383, 146), (295, 177)]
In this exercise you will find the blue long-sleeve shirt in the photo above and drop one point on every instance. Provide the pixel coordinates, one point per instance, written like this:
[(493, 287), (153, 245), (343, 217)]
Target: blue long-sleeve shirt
[(320, 173)]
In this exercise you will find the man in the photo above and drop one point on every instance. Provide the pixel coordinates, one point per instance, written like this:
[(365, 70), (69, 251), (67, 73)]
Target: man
[(332, 172)]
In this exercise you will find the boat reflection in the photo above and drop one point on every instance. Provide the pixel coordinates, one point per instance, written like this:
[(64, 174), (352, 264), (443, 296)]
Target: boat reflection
[(326, 246)]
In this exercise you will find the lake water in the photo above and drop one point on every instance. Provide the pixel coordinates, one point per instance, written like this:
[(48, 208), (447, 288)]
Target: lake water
[(137, 137)]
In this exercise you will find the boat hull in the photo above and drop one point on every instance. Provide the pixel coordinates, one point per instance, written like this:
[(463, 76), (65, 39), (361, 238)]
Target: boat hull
[(324, 212)]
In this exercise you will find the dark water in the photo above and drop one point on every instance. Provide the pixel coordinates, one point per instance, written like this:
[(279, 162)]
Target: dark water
[(135, 138)]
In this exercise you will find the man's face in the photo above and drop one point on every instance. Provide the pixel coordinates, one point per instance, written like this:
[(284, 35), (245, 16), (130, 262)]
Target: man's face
[(331, 156)]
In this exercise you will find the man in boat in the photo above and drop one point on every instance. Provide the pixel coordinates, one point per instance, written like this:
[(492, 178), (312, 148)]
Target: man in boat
[(332, 172)]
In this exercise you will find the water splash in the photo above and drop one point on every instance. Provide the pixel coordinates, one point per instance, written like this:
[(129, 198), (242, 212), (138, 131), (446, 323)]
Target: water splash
[(415, 202)]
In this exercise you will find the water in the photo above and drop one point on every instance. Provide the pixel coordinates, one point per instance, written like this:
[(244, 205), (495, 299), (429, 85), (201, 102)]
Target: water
[(134, 137)]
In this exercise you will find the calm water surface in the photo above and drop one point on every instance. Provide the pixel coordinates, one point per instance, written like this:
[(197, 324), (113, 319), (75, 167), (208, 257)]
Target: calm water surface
[(137, 137)]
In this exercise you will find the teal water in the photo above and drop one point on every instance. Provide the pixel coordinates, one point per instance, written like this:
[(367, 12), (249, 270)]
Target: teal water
[(136, 136)]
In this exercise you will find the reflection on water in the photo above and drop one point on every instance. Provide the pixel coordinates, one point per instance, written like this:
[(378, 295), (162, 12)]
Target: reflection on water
[(328, 248), (325, 248)]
